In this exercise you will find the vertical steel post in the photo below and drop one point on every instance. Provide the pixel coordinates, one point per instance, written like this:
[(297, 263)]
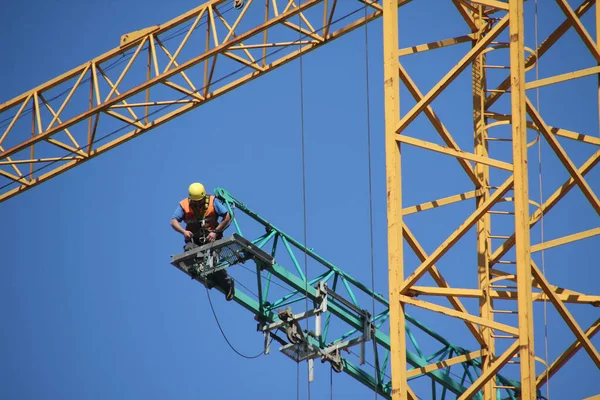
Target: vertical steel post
[(484, 223), (598, 47), (148, 76), (394, 199), (523, 251)]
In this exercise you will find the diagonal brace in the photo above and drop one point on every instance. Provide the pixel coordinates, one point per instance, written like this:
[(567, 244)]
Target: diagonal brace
[(456, 235), (452, 74), (564, 312), (566, 355), (439, 279), (562, 155)]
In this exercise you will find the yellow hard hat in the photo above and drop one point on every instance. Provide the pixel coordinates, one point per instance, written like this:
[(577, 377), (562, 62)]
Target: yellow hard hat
[(197, 191)]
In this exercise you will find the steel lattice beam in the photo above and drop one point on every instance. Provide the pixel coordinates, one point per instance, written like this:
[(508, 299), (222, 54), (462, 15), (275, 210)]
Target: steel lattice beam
[(485, 34), (155, 76), (158, 84)]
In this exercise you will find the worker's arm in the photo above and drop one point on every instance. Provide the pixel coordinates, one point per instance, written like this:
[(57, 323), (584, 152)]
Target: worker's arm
[(223, 224), (175, 223), (177, 227), (219, 229), (222, 212)]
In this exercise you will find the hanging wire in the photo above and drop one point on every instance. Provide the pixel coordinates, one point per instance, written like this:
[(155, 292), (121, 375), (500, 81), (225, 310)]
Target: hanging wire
[(304, 219), (367, 362), (169, 106), (541, 186), (124, 57), (272, 281), (297, 380), (368, 107), (247, 289), (6, 121), (225, 336), (163, 108), (331, 383)]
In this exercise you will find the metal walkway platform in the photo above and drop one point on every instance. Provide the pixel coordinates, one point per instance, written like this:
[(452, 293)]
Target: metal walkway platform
[(204, 260)]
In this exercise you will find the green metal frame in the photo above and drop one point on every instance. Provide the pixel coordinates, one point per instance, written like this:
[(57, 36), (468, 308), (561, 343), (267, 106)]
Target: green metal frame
[(302, 288)]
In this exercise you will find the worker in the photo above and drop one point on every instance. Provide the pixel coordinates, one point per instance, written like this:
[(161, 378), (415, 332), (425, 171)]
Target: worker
[(201, 213)]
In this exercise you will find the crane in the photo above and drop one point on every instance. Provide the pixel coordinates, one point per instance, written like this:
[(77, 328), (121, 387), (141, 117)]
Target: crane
[(144, 83)]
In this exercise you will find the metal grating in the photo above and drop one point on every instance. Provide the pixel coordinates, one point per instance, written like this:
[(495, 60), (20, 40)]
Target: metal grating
[(220, 254), (233, 253), (298, 352)]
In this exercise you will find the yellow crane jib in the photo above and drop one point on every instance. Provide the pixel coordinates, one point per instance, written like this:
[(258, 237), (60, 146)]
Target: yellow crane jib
[(134, 36)]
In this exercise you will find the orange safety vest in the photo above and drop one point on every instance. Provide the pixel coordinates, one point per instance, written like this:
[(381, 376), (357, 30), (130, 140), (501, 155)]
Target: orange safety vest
[(198, 218)]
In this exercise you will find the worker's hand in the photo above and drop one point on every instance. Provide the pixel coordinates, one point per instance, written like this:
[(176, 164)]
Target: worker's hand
[(188, 234), (212, 237)]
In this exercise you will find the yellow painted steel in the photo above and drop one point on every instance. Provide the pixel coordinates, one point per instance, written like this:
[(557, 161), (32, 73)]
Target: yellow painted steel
[(456, 153), (565, 239), (485, 22), (197, 90), (440, 281), (566, 355), (452, 313), (521, 200), (439, 202), (443, 364), (394, 201), (483, 226), (562, 77)]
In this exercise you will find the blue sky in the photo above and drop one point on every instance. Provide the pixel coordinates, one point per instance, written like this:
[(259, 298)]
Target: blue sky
[(91, 306)]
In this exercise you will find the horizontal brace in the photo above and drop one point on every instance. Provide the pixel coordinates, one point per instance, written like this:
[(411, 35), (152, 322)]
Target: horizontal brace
[(440, 202), (557, 131), (562, 77), (38, 160), (278, 44), (492, 3), (496, 67), (565, 296), (445, 291), (436, 45), (457, 314), (574, 135), (565, 239), (154, 103), (456, 153), (446, 363)]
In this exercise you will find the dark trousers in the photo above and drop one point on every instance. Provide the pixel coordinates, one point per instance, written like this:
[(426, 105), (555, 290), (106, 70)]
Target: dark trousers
[(220, 278)]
